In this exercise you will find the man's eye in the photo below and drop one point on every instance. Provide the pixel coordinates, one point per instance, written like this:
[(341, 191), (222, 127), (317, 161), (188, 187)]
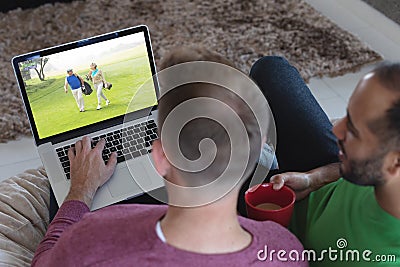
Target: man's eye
[(349, 129)]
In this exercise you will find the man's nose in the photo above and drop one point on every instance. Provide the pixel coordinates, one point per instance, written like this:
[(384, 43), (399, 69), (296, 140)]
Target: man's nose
[(339, 129)]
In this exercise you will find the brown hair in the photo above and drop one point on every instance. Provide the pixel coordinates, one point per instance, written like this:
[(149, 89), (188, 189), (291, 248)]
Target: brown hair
[(198, 129), (387, 128), (184, 54)]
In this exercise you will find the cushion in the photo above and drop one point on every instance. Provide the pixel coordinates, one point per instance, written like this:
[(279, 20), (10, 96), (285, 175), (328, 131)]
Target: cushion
[(24, 216)]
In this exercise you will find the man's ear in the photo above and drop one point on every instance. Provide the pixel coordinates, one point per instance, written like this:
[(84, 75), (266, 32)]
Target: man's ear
[(160, 160), (392, 165)]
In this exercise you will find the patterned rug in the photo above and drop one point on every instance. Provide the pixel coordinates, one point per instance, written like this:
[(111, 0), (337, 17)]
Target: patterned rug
[(243, 31)]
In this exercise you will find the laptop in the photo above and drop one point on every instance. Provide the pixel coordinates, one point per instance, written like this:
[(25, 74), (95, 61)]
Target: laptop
[(126, 116)]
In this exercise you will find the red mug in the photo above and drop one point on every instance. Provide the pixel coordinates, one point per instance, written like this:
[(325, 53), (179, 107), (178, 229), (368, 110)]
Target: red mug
[(264, 193)]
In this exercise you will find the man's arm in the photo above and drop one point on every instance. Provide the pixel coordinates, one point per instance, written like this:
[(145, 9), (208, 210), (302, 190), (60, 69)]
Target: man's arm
[(88, 173), (305, 183), (66, 86), (69, 213)]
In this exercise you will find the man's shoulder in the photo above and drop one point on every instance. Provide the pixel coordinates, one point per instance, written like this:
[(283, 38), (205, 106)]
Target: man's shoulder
[(138, 219), (272, 233), (250, 225), (339, 190), (114, 218), (125, 210), (112, 232)]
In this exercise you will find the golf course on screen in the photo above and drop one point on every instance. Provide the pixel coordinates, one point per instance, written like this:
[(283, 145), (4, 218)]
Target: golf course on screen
[(55, 111)]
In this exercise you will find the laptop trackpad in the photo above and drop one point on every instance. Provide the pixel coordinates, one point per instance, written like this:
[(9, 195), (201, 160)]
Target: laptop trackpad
[(123, 183)]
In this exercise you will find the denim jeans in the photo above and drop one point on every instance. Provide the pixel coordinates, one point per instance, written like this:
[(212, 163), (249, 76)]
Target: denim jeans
[(304, 133)]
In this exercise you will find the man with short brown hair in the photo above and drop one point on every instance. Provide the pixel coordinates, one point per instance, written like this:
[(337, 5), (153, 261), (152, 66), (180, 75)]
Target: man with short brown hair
[(75, 83)]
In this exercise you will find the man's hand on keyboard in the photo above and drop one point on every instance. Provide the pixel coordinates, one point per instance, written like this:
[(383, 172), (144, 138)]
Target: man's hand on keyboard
[(88, 170)]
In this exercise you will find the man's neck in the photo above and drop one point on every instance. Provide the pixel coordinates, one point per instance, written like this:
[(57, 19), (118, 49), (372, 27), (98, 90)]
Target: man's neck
[(388, 198), (209, 229)]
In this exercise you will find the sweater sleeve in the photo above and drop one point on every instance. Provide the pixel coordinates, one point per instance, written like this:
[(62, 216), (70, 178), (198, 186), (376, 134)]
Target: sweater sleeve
[(69, 213)]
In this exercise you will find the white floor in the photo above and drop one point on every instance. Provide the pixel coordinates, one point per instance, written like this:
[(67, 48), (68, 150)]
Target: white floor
[(369, 25), (373, 28)]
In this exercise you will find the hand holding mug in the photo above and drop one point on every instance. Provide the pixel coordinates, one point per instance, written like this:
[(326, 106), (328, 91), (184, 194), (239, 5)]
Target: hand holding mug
[(298, 181)]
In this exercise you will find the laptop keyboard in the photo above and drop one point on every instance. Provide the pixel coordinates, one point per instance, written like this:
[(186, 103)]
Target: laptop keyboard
[(130, 142)]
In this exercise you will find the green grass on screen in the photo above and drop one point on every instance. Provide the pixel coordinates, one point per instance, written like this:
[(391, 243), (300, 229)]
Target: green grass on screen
[(55, 111)]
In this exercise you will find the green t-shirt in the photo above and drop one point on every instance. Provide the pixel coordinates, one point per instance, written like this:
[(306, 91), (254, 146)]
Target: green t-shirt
[(345, 217)]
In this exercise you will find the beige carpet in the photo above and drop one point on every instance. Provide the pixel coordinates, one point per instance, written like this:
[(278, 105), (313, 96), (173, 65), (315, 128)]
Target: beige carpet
[(241, 30)]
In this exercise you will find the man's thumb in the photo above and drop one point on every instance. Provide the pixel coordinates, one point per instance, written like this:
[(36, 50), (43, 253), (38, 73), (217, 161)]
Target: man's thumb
[(277, 181)]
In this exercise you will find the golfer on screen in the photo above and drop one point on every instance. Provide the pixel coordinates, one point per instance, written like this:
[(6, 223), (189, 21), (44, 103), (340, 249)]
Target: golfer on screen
[(75, 82), (97, 77)]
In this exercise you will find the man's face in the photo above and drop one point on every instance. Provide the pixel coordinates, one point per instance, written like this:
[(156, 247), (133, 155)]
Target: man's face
[(361, 153), (70, 73)]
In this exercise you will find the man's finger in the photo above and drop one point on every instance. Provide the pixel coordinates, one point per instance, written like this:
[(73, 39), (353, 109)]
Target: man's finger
[(100, 145), (278, 181), (86, 143), (71, 154), (112, 161), (78, 147)]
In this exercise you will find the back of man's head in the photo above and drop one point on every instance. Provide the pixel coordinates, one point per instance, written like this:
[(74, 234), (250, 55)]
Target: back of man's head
[(218, 116)]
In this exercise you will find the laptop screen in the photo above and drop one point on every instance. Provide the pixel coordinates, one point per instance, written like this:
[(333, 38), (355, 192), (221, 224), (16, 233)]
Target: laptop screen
[(114, 69)]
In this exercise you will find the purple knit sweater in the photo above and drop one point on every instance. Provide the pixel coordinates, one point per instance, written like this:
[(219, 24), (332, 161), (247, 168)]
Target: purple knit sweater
[(124, 235)]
